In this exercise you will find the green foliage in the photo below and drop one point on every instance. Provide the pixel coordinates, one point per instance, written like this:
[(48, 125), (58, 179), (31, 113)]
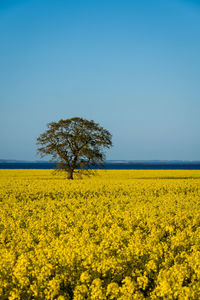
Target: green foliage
[(75, 144)]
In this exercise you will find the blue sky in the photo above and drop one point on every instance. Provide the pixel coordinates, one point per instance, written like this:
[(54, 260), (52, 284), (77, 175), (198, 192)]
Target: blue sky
[(131, 66)]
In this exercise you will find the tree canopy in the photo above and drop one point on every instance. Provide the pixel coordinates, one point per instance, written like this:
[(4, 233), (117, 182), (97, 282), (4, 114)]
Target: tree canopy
[(74, 144)]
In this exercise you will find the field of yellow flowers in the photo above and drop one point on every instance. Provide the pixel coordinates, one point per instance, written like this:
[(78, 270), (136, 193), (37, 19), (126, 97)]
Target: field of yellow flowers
[(117, 235)]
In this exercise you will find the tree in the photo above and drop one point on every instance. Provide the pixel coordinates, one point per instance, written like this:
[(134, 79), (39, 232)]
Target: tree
[(75, 144)]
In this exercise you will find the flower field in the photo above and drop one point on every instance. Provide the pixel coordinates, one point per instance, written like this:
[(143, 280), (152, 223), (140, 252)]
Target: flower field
[(117, 235)]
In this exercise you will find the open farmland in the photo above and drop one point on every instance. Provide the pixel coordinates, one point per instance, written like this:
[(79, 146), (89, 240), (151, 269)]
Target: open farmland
[(118, 235)]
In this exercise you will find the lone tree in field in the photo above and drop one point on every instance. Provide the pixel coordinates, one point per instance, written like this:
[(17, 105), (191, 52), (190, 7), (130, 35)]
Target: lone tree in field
[(75, 144)]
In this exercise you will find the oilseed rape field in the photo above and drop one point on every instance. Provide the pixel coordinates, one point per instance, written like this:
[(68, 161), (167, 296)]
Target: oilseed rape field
[(118, 235)]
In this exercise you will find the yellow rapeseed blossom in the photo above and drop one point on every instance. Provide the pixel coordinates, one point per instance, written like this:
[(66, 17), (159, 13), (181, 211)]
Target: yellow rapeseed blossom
[(117, 235)]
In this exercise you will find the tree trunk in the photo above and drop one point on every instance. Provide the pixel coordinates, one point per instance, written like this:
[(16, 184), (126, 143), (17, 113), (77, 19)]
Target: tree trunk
[(70, 174)]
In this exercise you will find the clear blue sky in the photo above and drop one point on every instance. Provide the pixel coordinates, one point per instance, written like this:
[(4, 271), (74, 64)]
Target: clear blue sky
[(132, 66)]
